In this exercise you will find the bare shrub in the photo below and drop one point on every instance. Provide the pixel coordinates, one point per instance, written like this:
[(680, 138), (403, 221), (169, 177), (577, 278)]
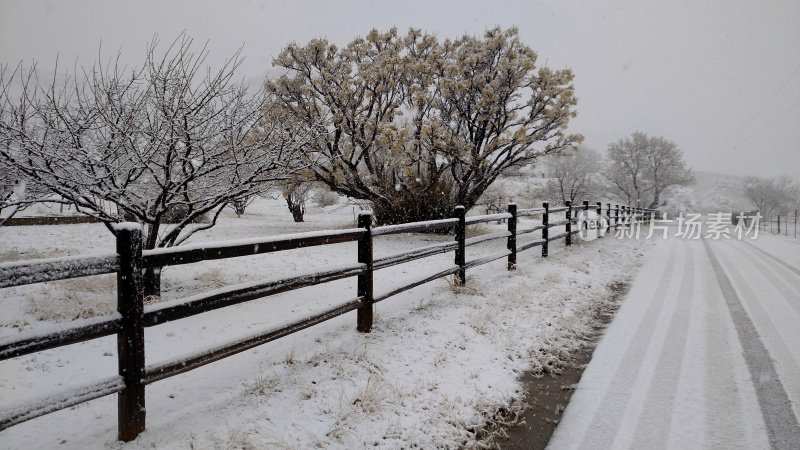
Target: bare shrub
[(470, 287), (325, 197), (262, 385), (498, 420)]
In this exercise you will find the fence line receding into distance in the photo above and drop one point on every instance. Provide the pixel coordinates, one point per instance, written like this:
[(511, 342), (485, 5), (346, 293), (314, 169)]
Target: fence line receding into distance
[(132, 316)]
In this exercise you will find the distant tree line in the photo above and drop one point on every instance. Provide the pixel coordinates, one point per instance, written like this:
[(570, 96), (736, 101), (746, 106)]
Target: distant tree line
[(637, 171), (773, 196)]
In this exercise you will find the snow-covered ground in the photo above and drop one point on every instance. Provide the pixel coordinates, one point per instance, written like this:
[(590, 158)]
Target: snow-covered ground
[(694, 361), (438, 362)]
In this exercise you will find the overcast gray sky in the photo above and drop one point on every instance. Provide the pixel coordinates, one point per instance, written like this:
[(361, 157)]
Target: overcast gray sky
[(721, 78)]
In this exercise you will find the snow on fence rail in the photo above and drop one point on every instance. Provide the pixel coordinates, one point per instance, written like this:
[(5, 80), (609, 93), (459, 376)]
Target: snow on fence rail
[(132, 317)]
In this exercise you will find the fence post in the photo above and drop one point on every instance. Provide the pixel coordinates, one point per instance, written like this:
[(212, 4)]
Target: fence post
[(545, 228), (585, 214), (130, 338), (461, 252), (616, 217), (599, 217), (512, 237), (779, 224), (608, 224), (568, 215), (364, 316)]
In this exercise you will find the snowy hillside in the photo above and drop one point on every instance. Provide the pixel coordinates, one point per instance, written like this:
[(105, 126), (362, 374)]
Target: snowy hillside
[(716, 192)]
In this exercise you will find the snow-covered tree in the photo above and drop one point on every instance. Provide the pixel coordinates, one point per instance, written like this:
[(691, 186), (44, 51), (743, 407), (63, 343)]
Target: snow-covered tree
[(573, 175), (778, 195), (171, 141), (17, 192), (296, 193), (417, 126), (641, 167), (13, 192)]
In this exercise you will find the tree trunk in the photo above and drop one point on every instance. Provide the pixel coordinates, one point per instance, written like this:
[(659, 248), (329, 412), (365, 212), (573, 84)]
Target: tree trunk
[(152, 282), (239, 207), (297, 209), (151, 275), (297, 214), (656, 196)]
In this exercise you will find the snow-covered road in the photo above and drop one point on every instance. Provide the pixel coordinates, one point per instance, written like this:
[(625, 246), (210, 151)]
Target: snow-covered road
[(703, 353)]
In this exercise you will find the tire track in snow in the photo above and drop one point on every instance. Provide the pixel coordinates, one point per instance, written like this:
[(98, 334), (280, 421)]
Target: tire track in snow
[(782, 319), (775, 258), (598, 378), (651, 429), (782, 425), (690, 404), (732, 417), (615, 400), (779, 282)]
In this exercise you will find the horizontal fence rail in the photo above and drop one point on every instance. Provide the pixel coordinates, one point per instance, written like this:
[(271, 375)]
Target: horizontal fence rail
[(487, 218), (67, 399), (132, 316), (186, 363), (54, 269), (232, 295), (203, 252), (415, 227), (78, 331)]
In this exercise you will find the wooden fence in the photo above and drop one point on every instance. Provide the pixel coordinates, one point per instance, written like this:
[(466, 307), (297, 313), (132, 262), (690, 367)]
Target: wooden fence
[(132, 316), (780, 224)]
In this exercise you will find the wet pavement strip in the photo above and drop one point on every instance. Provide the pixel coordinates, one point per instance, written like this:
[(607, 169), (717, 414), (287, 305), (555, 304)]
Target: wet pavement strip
[(549, 394)]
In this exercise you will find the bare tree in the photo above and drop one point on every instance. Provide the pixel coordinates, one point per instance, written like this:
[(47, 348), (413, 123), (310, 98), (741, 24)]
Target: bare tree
[(642, 167), (170, 141), (415, 125), (13, 195), (772, 195), (17, 192), (296, 193), (572, 175)]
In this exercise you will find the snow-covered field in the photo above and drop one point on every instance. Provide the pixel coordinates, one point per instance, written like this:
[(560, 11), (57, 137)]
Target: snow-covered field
[(694, 361), (438, 364)]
